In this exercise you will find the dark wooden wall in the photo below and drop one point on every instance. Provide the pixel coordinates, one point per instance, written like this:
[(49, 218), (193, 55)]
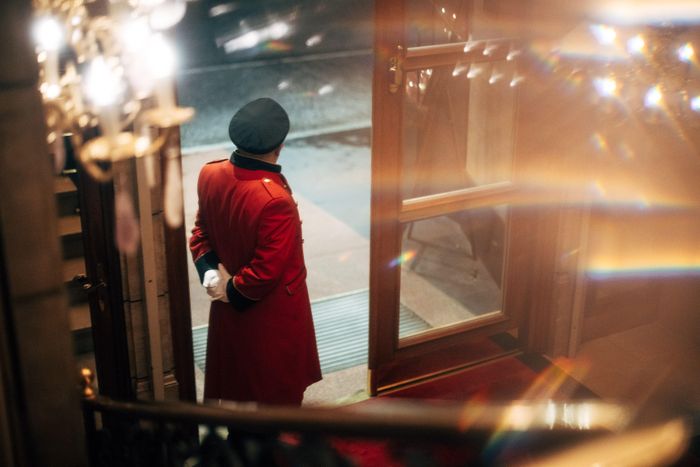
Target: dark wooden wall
[(40, 395)]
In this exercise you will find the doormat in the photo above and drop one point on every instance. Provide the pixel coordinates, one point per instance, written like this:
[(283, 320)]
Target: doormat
[(342, 329)]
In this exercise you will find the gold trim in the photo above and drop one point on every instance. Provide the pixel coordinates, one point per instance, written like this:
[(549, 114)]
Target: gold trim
[(458, 200), (494, 317)]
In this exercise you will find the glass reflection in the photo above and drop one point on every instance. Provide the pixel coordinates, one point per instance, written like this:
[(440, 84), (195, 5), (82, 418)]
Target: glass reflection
[(451, 269), (458, 127), (449, 21)]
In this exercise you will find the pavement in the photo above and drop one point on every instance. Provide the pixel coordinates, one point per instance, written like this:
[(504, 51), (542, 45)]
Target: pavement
[(322, 93)]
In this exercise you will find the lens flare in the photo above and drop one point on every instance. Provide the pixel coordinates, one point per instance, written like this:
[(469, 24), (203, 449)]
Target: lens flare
[(314, 40), (599, 142), (604, 34), (606, 87), (659, 267), (635, 45), (515, 81), (653, 97), (512, 54), (474, 71), (278, 30), (403, 258), (326, 89), (686, 53), (695, 104)]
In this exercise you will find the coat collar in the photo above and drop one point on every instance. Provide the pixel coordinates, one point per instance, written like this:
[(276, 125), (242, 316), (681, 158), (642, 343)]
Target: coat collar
[(251, 163), (253, 169)]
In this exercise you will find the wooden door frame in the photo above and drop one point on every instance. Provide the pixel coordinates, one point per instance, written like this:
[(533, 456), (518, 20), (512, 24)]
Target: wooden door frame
[(104, 274), (389, 211), (176, 254), (384, 208)]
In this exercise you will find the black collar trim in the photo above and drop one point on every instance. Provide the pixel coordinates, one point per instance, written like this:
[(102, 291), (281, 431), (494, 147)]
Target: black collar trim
[(251, 163)]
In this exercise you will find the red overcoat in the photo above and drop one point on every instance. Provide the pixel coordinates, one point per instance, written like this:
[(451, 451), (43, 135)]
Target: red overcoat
[(248, 220)]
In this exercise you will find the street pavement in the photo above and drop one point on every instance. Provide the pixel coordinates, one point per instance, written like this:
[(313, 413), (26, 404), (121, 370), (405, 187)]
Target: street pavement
[(322, 93)]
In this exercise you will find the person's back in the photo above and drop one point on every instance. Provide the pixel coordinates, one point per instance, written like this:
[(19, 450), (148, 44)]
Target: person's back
[(261, 343)]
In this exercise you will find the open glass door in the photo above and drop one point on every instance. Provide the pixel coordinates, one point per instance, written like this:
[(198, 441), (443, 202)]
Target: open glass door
[(443, 169)]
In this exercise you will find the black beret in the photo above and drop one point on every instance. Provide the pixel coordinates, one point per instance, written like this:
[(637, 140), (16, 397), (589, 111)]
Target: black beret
[(259, 126)]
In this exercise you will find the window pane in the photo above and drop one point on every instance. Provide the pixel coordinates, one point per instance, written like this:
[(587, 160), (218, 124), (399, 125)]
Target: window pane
[(449, 21), (458, 127), (451, 269)]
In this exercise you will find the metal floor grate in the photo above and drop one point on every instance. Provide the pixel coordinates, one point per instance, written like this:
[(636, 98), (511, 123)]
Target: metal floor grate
[(342, 326)]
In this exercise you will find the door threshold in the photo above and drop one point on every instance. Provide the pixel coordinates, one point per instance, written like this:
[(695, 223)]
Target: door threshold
[(438, 375)]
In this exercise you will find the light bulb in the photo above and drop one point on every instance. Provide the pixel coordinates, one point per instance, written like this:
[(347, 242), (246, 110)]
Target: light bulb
[(161, 57), (102, 86), (48, 33), (162, 67), (135, 33), (167, 14)]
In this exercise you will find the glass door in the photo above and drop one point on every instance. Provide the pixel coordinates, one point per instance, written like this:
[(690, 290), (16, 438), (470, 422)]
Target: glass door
[(443, 168)]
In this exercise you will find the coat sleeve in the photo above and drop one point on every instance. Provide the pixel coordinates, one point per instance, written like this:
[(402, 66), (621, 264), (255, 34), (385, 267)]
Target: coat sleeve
[(276, 240), (203, 255), (205, 258)]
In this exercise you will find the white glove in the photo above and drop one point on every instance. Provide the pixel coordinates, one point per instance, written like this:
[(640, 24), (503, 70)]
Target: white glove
[(211, 278), (211, 282), (218, 292)]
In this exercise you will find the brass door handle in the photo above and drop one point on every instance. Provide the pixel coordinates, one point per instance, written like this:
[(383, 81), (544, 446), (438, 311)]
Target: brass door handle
[(396, 67), (85, 284)]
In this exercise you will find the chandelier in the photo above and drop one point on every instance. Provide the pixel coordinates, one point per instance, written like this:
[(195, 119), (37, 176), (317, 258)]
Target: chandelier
[(107, 69)]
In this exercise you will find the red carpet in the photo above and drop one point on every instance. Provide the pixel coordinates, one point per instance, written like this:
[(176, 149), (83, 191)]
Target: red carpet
[(501, 380)]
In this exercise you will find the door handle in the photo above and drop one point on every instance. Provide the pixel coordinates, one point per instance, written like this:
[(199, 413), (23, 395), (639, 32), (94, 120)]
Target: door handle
[(84, 283), (396, 67)]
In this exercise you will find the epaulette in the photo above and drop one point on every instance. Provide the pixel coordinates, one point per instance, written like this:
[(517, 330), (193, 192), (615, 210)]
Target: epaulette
[(275, 190), (217, 160)]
